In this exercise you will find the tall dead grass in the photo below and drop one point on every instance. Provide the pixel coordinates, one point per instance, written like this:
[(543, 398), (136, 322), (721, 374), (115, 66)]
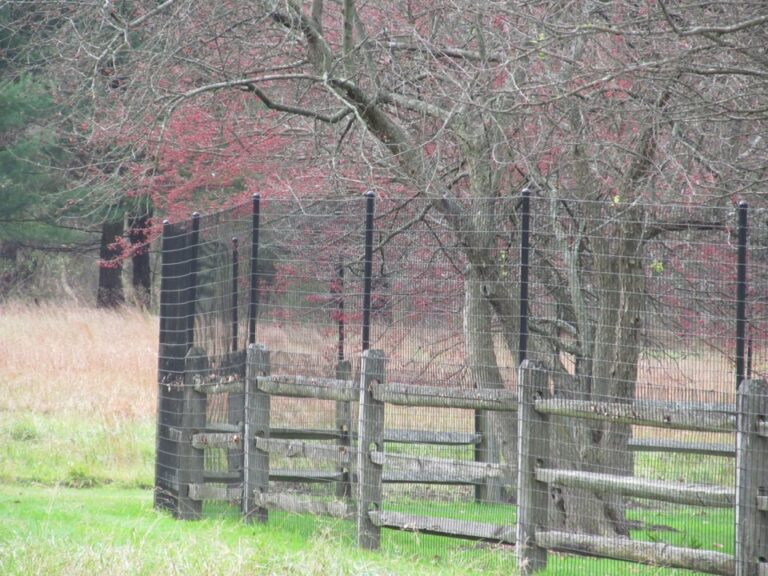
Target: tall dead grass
[(68, 359), (73, 360)]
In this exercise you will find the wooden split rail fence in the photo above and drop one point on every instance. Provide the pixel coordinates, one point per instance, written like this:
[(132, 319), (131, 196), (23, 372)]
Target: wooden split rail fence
[(359, 464), (537, 472)]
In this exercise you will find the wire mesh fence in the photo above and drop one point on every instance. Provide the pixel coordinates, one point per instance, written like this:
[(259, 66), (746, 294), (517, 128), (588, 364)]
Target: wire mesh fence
[(636, 322)]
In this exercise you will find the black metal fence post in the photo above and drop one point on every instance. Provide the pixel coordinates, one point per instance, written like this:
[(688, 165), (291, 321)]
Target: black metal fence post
[(191, 291), (253, 301), (368, 268), (235, 278), (340, 310), (525, 248), (741, 294)]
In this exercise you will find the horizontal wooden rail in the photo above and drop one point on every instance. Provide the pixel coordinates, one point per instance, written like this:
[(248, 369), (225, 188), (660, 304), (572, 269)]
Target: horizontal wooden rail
[(428, 477), (447, 471), (296, 504), (433, 437), (430, 437), (297, 449), (228, 440), (651, 553), (304, 387), (677, 492), (388, 477), (221, 476), (302, 475), (222, 427), (304, 434), (393, 436), (674, 415), (446, 397), (467, 530), (228, 384), (678, 447)]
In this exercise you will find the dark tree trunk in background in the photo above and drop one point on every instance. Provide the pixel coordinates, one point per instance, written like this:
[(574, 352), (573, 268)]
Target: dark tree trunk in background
[(141, 278), (110, 293), (9, 267)]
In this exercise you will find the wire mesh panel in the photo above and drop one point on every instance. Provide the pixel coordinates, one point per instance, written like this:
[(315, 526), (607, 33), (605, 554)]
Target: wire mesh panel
[(203, 315), (633, 312), (310, 299), (445, 476)]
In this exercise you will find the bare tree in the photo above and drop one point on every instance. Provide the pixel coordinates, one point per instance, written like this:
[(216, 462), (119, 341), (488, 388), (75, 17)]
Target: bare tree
[(605, 109)]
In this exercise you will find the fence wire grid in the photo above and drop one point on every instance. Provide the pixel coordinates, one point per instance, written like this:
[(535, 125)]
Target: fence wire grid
[(636, 327)]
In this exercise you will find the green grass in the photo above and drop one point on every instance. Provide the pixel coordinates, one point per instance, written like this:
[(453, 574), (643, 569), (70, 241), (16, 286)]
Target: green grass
[(54, 525), (705, 528), (690, 468), (76, 451), (66, 531)]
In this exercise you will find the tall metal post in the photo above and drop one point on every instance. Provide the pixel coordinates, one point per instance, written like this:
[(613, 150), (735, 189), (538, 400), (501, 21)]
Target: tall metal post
[(525, 248), (368, 268), (253, 300), (741, 294), (235, 278), (340, 309), (191, 292)]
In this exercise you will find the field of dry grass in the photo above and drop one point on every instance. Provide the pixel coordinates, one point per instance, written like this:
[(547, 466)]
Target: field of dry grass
[(77, 395), (78, 361)]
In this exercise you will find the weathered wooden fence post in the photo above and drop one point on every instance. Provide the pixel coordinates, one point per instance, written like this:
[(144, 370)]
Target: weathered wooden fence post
[(533, 452), (344, 428), (256, 425), (370, 439), (487, 451), (752, 479), (191, 459)]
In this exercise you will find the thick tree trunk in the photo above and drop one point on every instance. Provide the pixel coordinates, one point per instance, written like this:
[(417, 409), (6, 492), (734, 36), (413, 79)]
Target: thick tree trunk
[(110, 292), (141, 278), (608, 372), (500, 428)]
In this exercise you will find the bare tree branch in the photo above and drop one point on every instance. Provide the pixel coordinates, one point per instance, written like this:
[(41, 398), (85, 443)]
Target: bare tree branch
[(272, 105), (703, 30)]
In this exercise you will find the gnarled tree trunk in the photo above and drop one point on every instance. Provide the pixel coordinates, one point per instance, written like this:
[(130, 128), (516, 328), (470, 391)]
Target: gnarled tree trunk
[(607, 372), (499, 429)]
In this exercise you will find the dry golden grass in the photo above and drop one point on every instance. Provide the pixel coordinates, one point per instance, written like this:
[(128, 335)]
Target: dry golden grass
[(78, 361), (70, 359), (700, 376)]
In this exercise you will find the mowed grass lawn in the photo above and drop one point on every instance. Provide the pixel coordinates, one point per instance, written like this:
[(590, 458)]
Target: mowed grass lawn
[(77, 425)]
